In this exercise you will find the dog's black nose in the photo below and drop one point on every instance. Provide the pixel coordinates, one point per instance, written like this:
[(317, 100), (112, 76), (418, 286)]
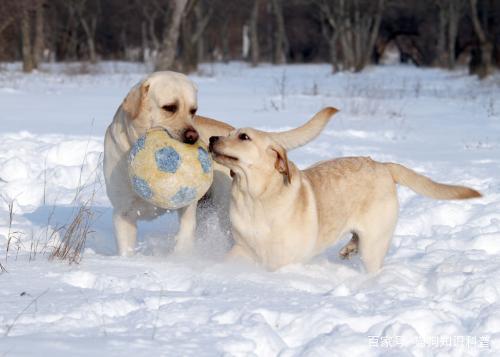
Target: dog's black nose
[(212, 141), (190, 136)]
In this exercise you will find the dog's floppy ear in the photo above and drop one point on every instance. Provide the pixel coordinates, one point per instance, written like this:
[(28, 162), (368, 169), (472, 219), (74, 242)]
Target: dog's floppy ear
[(133, 101), (281, 163)]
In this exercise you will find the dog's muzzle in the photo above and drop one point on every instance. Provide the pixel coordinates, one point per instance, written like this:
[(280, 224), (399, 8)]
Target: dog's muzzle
[(212, 141)]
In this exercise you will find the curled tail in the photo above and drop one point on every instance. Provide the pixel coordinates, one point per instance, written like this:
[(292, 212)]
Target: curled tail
[(427, 187)]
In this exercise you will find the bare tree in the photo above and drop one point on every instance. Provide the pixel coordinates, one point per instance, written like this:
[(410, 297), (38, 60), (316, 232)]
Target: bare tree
[(441, 35), (330, 31), (27, 50), (39, 42), (9, 12), (168, 49), (254, 34), (193, 28), (185, 32), (356, 24), (369, 25), (86, 13), (281, 40), (456, 8), (149, 40), (89, 24), (450, 14), (483, 67)]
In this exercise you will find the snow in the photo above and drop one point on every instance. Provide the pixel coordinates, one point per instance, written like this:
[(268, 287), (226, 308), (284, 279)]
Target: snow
[(437, 294)]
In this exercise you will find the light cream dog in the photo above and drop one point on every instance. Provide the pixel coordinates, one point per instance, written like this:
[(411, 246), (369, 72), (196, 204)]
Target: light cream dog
[(168, 100), (281, 215), (164, 99)]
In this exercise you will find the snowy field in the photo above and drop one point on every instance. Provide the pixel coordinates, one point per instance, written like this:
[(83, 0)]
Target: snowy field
[(437, 294)]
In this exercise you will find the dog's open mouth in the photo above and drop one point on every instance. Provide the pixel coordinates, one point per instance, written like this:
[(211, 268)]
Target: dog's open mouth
[(218, 155)]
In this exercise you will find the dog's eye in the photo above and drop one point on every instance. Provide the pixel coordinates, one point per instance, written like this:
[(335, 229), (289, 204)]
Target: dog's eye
[(244, 136), (193, 111), (172, 108)]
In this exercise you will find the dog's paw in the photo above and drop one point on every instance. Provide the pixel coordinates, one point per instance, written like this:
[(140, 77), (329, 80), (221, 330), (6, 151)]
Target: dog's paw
[(348, 251), (183, 246)]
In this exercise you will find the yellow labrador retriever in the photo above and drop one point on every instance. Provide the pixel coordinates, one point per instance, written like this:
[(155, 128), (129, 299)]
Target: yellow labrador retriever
[(168, 100), (281, 215), (164, 99)]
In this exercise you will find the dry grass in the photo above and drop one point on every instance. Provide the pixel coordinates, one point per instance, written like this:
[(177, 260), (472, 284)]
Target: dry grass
[(281, 85), (79, 68), (75, 235), (2, 269), (33, 302), (14, 238)]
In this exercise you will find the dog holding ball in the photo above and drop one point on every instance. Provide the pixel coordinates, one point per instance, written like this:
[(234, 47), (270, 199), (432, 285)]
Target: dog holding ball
[(166, 100)]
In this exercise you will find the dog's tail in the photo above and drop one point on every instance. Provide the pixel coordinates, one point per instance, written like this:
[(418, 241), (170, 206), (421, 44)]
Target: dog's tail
[(427, 187), (297, 137)]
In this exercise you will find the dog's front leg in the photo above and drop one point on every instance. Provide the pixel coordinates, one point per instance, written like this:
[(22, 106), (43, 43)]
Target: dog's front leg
[(239, 254), (187, 226), (125, 228)]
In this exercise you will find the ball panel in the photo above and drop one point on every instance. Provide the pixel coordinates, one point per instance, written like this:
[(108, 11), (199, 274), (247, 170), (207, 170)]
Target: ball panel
[(138, 146), (167, 159), (142, 187), (205, 161), (183, 197)]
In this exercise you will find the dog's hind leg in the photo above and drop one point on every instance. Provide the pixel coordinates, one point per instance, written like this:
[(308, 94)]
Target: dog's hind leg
[(350, 248), (125, 227), (376, 235), (187, 227)]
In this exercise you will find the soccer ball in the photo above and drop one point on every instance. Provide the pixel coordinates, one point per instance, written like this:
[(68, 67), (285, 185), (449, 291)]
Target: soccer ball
[(168, 173)]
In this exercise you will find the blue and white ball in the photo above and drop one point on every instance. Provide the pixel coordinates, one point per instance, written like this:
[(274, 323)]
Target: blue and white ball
[(168, 173)]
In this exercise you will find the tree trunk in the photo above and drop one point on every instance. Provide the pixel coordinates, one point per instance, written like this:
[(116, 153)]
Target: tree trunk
[(333, 52), (330, 33), (254, 38), (441, 52), (27, 51), (344, 30), (168, 49), (455, 13), (155, 43), (373, 34), (225, 40), (485, 47), (188, 55), (281, 42), (200, 40), (89, 30), (144, 42), (39, 44), (195, 36)]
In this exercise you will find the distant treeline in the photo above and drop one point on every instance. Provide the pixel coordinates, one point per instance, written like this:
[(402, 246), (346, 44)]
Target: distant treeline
[(179, 34)]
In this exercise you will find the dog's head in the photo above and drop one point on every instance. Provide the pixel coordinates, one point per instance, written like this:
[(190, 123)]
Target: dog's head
[(248, 151), (164, 99), (259, 155)]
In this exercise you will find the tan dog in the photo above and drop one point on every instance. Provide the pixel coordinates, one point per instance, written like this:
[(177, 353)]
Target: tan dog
[(164, 99), (281, 215), (168, 100)]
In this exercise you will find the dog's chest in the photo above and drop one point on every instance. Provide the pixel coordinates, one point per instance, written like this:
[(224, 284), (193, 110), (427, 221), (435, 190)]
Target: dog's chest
[(270, 236), (250, 221)]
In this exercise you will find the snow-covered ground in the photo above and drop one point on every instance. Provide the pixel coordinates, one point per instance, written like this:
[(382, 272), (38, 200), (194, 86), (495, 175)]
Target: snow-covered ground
[(438, 293)]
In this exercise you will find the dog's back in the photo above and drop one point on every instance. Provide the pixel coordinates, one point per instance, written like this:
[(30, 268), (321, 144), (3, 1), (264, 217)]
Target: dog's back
[(345, 190)]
